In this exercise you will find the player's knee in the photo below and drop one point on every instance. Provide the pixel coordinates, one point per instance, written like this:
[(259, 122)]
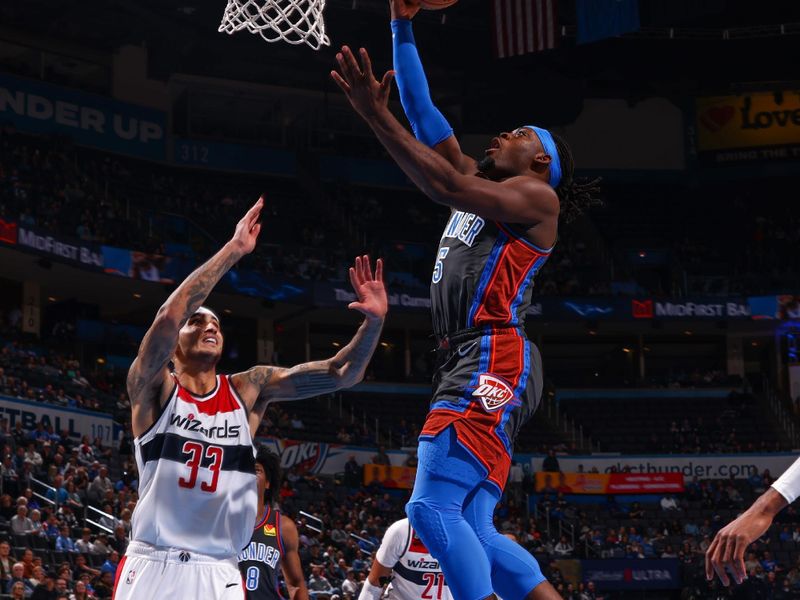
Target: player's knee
[(486, 533), (427, 522)]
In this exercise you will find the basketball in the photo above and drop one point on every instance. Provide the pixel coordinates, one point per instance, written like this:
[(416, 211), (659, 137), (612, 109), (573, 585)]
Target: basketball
[(437, 4)]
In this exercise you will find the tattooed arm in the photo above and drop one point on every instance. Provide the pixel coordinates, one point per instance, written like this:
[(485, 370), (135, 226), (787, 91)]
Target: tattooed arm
[(148, 379), (261, 384)]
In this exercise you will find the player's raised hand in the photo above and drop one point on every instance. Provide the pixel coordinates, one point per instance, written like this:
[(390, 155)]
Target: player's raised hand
[(404, 9), (367, 95), (725, 555), (247, 229), (370, 290)]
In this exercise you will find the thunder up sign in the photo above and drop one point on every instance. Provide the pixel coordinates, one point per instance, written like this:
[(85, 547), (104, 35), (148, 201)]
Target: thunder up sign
[(89, 119), (753, 127)]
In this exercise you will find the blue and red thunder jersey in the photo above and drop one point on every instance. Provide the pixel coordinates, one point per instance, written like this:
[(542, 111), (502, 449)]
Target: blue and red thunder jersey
[(260, 560), (480, 291)]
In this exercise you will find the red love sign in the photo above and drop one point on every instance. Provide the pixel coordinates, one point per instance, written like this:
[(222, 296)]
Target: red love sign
[(716, 117)]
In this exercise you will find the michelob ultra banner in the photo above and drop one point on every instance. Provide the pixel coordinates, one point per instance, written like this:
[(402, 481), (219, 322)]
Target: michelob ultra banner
[(759, 126), (610, 483), (632, 574)]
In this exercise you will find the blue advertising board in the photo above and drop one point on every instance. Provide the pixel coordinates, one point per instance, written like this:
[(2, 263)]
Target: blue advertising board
[(89, 119), (234, 157)]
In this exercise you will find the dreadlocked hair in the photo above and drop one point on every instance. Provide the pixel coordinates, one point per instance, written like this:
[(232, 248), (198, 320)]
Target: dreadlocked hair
[(575, 196), (271, 463)]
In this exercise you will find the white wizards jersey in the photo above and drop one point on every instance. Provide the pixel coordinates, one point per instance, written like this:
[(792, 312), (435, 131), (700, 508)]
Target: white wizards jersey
[(417, 575), (197, 482)]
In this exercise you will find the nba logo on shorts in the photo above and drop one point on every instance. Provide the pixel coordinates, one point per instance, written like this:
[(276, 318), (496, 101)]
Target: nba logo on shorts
[(493, 392), (131, 575)]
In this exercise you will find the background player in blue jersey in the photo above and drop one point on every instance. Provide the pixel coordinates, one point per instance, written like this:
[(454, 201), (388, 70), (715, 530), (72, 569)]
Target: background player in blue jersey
[(502, 229), (274, 542)]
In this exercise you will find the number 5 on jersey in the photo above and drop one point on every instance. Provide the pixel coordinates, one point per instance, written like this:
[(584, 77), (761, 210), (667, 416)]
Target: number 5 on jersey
[(195, 452), (438, 268)]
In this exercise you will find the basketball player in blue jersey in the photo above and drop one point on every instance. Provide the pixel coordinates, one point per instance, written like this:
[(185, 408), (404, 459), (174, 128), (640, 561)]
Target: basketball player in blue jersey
[(194, 431), (274, 542), (502, 228)]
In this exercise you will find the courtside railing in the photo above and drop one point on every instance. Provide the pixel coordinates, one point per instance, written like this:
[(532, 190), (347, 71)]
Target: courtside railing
[(42, 491)]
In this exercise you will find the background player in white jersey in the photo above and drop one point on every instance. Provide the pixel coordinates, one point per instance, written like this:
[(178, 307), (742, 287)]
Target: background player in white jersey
[(415, 574), (725, 555), (193, 431), (274, 541)]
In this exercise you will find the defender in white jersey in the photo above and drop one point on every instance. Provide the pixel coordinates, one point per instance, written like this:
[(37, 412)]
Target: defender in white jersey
[(417, 575), (194, 431)]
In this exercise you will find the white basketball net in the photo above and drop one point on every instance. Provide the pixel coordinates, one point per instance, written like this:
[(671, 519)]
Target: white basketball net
[(293, 21)]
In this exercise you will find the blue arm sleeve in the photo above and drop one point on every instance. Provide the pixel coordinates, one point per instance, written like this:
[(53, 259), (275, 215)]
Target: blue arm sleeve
[(429, 125)]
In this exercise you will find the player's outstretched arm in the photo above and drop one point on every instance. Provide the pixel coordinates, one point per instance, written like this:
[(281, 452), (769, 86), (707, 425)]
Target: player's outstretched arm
[(148, 372), (390, 552), (373, 586), (427, 122), (290, 561), (261, 384), (726, 551), (521, 200)]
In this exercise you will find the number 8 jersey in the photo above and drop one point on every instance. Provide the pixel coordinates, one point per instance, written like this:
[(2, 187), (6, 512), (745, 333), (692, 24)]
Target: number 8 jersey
[(197, 482)]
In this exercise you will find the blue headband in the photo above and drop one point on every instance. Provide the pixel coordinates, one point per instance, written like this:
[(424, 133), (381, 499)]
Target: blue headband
[(550, 148)]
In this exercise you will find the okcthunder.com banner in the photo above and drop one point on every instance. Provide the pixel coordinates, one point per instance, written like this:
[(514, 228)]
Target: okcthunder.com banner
[(702, 466), (612, 483)]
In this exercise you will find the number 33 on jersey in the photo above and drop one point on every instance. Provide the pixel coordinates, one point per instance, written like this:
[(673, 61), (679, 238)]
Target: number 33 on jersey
[(197, 474)]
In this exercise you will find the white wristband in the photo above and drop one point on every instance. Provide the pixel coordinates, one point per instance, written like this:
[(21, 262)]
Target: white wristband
[(370, 592), (788, 484)]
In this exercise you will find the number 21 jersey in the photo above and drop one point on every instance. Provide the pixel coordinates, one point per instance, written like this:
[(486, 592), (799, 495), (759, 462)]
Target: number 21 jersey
[(416, 574), (197, 482)]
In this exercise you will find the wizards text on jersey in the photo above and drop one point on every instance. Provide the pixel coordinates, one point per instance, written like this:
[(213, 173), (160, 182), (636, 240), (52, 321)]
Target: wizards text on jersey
[(421, 563), (192, 423)]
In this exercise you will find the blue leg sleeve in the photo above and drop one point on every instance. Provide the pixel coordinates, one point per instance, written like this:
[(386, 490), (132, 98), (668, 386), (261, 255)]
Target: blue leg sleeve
[(446, 474), (429, 125), (514, 570)]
